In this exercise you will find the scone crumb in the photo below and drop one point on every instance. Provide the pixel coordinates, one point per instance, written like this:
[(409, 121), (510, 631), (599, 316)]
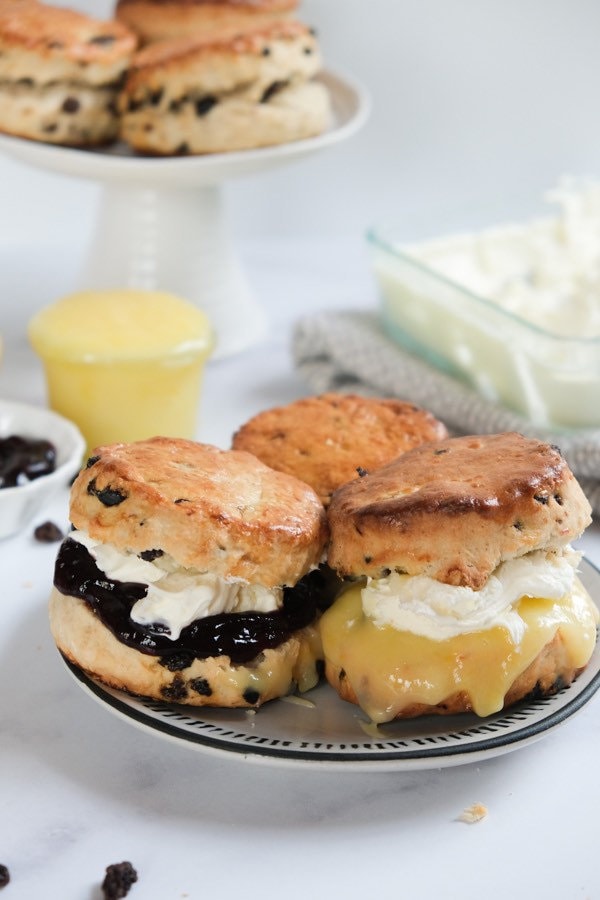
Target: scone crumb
[(474, 813)]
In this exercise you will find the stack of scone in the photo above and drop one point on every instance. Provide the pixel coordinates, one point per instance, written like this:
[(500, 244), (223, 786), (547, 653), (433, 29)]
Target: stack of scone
[(60, 73), (430, 574), (255, 89)]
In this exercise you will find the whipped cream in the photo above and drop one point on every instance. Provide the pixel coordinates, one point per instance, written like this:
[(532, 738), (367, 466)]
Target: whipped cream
[(426, 607), (546, 271), (177, 596)]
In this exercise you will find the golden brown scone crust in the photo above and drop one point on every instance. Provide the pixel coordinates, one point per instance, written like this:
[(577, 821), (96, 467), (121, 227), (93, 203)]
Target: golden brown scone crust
[(455, 510), (549, 672), (196, 96), (60, 72), (213, 510), (156, 20), (48, 43), (88, 644), (324, 440)]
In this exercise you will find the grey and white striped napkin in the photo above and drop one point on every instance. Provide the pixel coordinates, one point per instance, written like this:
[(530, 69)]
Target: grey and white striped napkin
[(347, 351)]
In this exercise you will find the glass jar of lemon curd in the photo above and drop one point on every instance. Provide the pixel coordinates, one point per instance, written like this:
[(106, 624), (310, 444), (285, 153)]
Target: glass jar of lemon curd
[(124, 364)]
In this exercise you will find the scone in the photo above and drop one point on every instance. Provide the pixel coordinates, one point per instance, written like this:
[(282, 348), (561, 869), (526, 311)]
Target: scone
[(465, 594), (327, 440), (60, 73), (187, 577), (254, 90), (158, 20)]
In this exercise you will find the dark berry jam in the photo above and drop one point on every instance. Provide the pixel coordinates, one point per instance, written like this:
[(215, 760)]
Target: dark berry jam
[(24, 459), (241, 636)]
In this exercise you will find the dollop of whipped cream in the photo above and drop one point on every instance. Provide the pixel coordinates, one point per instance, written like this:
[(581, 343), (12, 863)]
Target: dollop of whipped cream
[(546, 271), (439, 611), (177, 596)]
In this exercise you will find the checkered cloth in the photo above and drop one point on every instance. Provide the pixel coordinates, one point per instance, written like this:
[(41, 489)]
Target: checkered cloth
[(348, 352)]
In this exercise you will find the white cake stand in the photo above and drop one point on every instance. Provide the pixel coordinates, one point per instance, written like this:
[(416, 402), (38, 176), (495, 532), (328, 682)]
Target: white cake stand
[(161, 223)]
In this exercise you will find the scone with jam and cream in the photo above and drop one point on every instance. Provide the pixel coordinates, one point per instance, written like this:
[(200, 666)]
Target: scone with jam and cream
[(328, 439), (466, 595), (60, 73), (159, 20), (187, 577), (256, 89)]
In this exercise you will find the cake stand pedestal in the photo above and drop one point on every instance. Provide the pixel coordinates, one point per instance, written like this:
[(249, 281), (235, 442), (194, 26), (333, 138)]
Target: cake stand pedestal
[(161, 223)]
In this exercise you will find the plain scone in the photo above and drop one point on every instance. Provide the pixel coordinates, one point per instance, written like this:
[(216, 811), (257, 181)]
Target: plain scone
[(190, 96), (60, 73), (327, 439)]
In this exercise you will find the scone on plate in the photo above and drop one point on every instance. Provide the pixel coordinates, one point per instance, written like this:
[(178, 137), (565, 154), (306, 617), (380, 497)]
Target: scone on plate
[(254, 90), (158, 20), (60, 73), (465, 595), (331, 438), (187, 577)]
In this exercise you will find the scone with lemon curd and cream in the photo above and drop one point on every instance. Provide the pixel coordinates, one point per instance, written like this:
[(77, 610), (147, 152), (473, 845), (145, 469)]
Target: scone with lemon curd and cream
[(466, 595), (192, 96), (60, 73), (328, 439), (158, 20), (187, 577)]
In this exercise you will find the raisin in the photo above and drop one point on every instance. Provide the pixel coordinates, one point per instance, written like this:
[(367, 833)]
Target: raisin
[(48, 533), (118, 879), (251, 696), (175, 691), (273, 89), (50, 129), (70, 105), (102, 40), (175, 662), (4, 876), (156, 97), (201, 686), (183, 148), (361, 472), (92, 460), (205, 104), (150, 555), (541, 498), (108, 496)]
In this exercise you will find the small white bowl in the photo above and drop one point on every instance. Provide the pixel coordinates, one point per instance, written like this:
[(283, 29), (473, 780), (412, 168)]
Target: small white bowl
[(18, 505)]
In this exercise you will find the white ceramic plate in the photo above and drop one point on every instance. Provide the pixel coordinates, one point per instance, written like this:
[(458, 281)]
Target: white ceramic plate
[(321, 730)]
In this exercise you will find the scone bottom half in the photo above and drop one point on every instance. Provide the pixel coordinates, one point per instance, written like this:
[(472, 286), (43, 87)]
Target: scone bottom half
[(463, 593), (175, 620)]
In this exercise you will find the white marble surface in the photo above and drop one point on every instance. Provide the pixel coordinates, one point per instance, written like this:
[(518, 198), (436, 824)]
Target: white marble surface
[(81, 789)]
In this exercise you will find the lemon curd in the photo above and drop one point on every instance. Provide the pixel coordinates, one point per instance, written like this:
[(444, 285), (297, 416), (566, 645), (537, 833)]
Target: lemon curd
[(391, 669), (123, 364)]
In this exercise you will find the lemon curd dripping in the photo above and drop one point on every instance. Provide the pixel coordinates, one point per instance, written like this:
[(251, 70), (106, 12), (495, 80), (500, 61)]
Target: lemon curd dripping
[(390, 669)]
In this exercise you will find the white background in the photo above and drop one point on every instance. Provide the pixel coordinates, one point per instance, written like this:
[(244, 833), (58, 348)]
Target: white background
[(479, 106)]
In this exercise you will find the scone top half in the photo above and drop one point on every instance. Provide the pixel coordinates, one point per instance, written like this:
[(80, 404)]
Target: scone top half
[(455, 510), (156, 20), (210, 510), (168, 74), (42, 44), (328, 439)]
